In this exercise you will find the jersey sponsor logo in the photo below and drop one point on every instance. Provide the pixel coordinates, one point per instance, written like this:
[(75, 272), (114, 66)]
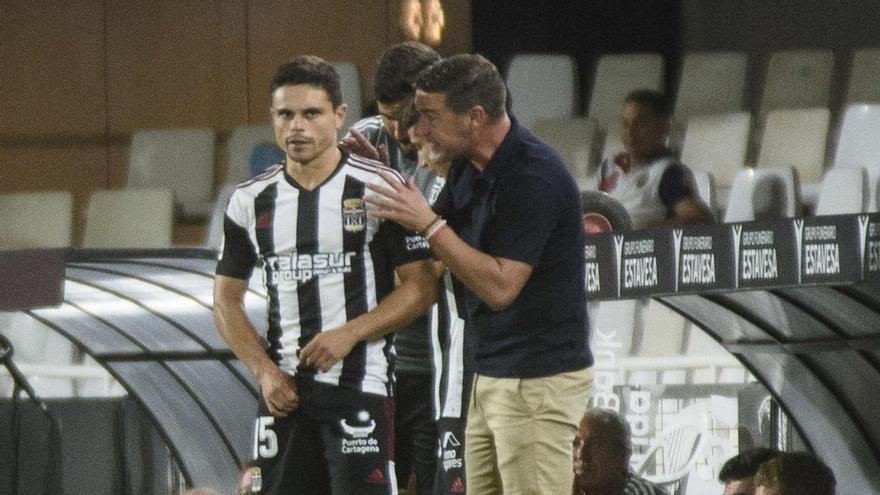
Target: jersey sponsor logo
[(360, 441), (450, 452), (302, 267), (354, 215)]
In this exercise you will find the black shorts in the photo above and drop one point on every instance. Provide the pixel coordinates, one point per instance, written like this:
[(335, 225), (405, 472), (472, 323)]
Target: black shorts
[(338, 441), (450, 477), (416, 431)]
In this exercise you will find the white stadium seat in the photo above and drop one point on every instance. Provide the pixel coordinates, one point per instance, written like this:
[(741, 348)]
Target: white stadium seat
[(796, 137), (858, 145), (542, 86), (711, 82), (843, 190), (178, 159), (36, 219), (759, 194), (618, 75), (130, 218), (717, 144), (797, 79), (574, 139)]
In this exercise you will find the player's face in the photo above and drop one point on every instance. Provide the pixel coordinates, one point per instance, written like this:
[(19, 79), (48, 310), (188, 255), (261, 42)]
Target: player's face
[(392, 113), (448, 132), (643, 132), (739, 487), (305, 122)]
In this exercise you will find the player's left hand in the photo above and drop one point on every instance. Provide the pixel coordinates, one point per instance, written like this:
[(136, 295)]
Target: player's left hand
[(328, 347), (400, 202)]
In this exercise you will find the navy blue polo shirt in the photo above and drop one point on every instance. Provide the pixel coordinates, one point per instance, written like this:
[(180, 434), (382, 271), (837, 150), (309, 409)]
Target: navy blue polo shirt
[(525, 206)]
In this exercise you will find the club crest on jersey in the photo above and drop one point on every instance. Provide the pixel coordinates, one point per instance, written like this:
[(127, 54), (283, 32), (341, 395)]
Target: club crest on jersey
[(354, 215)]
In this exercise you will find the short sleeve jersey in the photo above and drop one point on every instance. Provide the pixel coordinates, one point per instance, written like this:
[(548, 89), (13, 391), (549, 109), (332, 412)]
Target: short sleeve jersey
[(649, 193), (524, 206), (324, 260)]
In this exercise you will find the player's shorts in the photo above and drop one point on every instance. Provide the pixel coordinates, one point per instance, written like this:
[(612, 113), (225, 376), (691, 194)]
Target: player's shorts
[(338, 441), (450, 477)]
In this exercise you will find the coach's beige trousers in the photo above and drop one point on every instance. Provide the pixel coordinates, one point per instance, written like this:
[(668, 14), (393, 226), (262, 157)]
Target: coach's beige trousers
[(520, 431)]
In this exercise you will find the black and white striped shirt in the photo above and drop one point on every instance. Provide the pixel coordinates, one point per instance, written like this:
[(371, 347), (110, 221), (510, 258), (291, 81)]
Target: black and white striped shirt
[(450, 354), (324, 260)]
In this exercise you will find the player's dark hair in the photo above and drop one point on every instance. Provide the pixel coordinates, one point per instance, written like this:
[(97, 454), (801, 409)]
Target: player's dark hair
[(311, 70), (654, 101), (397, 68)]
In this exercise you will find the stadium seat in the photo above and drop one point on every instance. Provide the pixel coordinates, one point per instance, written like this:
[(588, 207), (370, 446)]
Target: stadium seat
[(706, 189), (178, 159), (711, 82), (243, 141), (35, 219), (858, 145), (797, 79), (843, 190), (717, 144), (351, 92), (542, 86), (670, 460), (574, 139), (618, 75), (864, 77), (759, 194), (130, 218), (796, 137)]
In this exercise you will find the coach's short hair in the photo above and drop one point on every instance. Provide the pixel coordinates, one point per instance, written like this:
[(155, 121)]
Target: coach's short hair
[(311, 70), (655, 101), (397, 68), (745, 464), (466, 81)]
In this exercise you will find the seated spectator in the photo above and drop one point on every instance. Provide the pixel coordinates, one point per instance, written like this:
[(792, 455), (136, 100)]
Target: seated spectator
[(602, 449), (653, 186), (738, 472), (795, 473)]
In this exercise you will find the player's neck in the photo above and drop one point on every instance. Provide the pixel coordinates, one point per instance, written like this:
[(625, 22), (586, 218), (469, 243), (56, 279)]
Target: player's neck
[(310, 175)]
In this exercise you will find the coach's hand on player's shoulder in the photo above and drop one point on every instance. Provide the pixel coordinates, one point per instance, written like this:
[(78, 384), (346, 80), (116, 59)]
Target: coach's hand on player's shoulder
[(279, 391), (401, 202), (328, 347)]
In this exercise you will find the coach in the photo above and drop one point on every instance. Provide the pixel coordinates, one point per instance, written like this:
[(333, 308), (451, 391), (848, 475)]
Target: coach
[(508, 225)]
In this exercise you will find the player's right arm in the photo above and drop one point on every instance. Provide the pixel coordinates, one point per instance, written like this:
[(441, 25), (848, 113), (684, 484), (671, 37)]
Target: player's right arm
[(278, 388)]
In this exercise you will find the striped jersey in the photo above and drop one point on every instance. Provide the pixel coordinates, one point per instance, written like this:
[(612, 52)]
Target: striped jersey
[(451, 358), (324, 261)]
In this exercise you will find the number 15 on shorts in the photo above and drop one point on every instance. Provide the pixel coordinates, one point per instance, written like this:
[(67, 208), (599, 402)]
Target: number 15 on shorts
[(265, 439)]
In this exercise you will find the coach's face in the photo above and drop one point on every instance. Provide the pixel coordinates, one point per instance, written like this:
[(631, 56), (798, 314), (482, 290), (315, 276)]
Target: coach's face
[(448, 132), (305, 121)]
